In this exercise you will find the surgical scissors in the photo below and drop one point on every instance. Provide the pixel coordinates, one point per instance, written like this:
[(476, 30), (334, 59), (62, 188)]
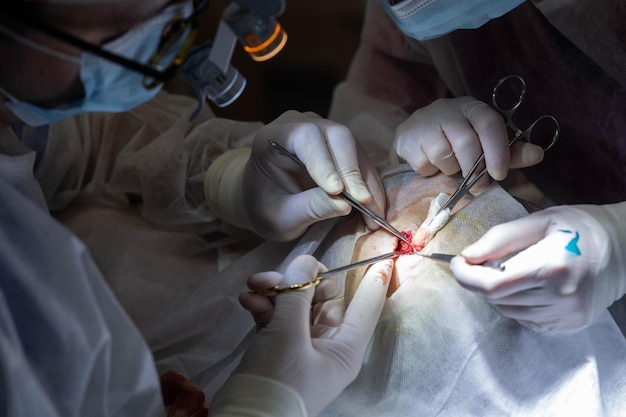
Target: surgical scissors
[(470, 180), (350, 200)]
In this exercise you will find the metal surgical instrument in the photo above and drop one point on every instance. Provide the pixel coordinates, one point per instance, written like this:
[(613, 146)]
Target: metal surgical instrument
[(350, 200), (507, 111), (276, 289), (444, 257)]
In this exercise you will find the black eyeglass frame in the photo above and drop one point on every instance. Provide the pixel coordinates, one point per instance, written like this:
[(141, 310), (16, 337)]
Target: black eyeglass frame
[(155, 75)]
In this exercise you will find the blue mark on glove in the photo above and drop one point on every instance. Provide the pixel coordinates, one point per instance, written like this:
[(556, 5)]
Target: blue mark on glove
[(572, 246)]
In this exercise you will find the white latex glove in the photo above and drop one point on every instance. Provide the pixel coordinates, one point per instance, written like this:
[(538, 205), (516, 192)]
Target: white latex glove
[(570, 266), (270, 194), (312, 343), (449, 135)]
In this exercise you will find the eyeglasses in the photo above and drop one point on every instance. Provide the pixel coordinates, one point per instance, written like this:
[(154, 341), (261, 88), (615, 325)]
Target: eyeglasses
[(176, 40)]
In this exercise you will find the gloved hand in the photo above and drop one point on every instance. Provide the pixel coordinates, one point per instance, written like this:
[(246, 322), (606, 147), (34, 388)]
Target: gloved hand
[(266, 192), (570, 266), (312, 343), (449, 135)]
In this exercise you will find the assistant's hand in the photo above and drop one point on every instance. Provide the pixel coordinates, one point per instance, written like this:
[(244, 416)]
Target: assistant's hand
[(284, 199), (310, 341), (450, 134), (268, 193), (570, 266)]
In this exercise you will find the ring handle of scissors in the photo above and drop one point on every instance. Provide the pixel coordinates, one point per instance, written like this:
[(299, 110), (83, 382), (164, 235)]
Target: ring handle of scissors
[(508, 113), (494, 95), (528, 132)]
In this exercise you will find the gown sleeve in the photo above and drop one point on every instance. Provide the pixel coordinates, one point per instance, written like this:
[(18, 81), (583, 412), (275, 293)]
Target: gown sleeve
[(153, 156)]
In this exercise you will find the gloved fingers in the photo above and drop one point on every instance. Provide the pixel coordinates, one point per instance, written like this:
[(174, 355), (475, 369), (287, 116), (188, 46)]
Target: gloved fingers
[(506, 238), (310, 145), (296, 212), (364, 310), (538, 266), (425, 148), (489, 281), (260, 306), (451, 134), (330, 153), (369, 172), (329, 305), (492, 135), (313, 140), (348, 159), (292, 312), (334, 159), (263, 280), (524, 154)]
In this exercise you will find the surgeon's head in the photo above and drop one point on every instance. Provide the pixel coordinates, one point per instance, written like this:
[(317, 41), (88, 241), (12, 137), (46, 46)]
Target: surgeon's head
[(60, 54)]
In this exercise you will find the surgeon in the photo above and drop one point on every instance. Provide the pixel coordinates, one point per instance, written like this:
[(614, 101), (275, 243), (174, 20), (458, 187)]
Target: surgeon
[(427, 70), (84, 122)]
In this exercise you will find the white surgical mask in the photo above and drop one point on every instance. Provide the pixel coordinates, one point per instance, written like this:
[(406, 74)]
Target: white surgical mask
[(428, 19), (108, 87)]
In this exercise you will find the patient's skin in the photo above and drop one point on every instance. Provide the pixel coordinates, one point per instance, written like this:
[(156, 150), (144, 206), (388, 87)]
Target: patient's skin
[(406, 213)]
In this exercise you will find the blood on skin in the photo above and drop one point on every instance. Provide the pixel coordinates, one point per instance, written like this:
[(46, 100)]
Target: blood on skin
[(385, 276), (406, 249), (403, 246)]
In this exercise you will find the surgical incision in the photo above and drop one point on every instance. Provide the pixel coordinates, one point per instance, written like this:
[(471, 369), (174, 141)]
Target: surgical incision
[(414, 210)]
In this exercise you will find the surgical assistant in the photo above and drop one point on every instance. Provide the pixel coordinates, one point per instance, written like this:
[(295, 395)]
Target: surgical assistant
[(426, 69), (84, 124)]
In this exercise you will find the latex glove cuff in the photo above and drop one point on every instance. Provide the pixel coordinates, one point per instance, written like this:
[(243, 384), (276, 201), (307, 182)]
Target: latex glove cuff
[(223, 187), (246, 395)]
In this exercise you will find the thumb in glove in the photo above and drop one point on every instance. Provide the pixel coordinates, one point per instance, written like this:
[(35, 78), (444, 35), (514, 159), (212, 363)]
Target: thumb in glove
[(314, 343)]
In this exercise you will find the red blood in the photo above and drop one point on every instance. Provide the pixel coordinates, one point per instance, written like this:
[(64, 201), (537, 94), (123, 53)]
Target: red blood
[(404, 247)]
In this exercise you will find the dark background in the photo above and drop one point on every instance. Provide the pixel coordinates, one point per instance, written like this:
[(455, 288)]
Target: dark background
[(322, 38)]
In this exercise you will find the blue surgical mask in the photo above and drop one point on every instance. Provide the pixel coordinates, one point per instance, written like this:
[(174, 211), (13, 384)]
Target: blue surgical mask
[(108, 87), (428, 19)]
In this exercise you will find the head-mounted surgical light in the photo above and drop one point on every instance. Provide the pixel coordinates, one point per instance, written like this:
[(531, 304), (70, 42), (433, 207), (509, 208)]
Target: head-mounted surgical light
[(207, 67)]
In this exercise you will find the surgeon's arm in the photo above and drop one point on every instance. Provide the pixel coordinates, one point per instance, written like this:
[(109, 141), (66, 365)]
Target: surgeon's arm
[(311, 345), (569, 265)]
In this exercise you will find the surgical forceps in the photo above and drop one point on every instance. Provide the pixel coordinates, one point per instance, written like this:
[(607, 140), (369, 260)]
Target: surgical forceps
[(470, 180), (350, 200)]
